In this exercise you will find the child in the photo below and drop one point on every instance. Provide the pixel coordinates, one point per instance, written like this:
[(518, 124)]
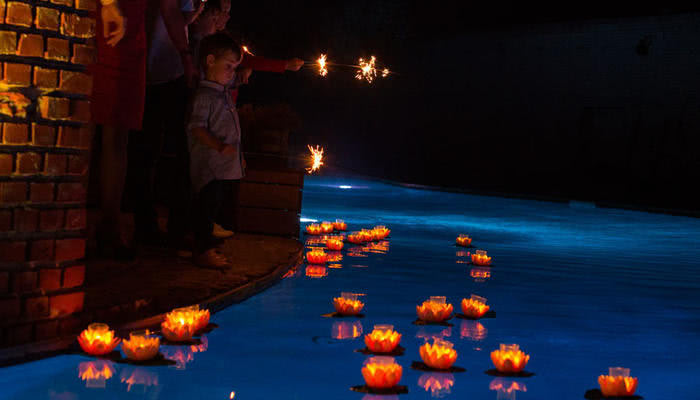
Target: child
[(216, 161)]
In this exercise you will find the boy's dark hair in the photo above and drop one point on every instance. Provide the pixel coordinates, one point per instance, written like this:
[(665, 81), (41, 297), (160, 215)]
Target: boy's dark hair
[(217, 45), (212, 6)]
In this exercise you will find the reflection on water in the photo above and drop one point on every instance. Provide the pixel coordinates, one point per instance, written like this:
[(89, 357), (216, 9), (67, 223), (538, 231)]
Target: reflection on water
[(462, 257), (380, 397), (140, 379), (473, 330), (480, 274), (343, 330), (356, 251), (96, 373), (425, 334), (335, 266), (377, 247), (316, 271), (184, 354), (506, 388), (334, 256), (439, 384)]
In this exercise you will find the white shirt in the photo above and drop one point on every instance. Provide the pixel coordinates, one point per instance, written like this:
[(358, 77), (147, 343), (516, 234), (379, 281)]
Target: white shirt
[(164, 63)]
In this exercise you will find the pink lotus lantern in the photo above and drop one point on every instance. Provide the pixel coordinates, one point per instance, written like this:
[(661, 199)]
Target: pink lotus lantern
[(179, 325), (340, 225), (381, 372), (434, 310), (481, 258), (326, 227), (334, 244), (98, 339), (316, 257), (475, 307), (509, 359), (141, 346), (440, 355), (382, 339), (348, 304), (464, 240), (617, 383)]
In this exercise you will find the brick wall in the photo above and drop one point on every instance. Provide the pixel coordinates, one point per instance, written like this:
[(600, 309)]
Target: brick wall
[(44, 140)]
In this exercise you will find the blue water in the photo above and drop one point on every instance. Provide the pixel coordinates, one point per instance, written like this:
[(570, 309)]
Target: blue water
[(579, 288)]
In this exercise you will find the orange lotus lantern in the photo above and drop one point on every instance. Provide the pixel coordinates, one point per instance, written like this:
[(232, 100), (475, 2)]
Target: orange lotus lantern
[(381, 372), (509, 359), (340, 225), (348, 304), (617, 383), (473, 330), (366, 235), (141, 346), (317, 256), (464, 240), (344, 330), (475, 307), (440, 355), (481, 258), (380, 232), (438, 384), (327, 227), (316, 271), (334, 244), (314, 229), (98, 339), (179, 325), (382, 339), (356, 238), (434, 310), (95, 373)]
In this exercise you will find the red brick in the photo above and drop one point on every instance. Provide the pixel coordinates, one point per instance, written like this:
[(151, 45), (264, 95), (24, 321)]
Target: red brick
[(69, 136), (12, 192), (45, 78), (8, 42), (54, 107), (83, 54), (17, 74), (68, 3), (36, 307), (64, 304), (46, 330), (78, 165), (4, 282), (2, 19), (71, 192), (15, 133), (89, 5), (16, 335), (5, 222), (57, 49), (10, 308), (26, 219), (49, 279), (15, 104), (56, 164), (41, 192), (24, 281), (50, 220), (47, 18), (43, 135), (80, 110), (73, 276), (70, 249), (75, 82), (19, 14), (41, 250), (30, 45), (13, 251), (28, 163), (75, 25), (6, 164), (76, 219)]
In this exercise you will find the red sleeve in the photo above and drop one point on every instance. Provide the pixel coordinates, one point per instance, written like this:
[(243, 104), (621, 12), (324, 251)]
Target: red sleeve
[(264, 64)]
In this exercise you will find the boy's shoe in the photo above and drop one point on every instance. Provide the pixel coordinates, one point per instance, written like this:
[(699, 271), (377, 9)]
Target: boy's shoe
[(212, 259), (220, 233)]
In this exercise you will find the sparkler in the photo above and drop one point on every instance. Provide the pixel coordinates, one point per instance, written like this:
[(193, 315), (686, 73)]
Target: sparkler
[(316, 158), (245, 50), (367, 71), (322, 68)]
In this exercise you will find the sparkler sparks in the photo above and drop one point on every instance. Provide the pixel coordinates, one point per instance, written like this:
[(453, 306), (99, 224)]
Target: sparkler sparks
[(367, 70), (322, 67), (245, 50), (316, 158)]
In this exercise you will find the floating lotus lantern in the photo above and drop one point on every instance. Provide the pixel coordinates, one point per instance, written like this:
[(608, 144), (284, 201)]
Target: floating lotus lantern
[(464, 240), (340, 225), (317, 256), (314, 229), (201, 317), (481, 258), (141, 346), (179, 325), (95, 373), (617, 383), (98, 339), (355, 237), (438, 384), (366, 235), (509, 359), (382, 339), (348, 304), (475, 307), (381, 372), (434, 310), (327, 227), (316, 271), (344, 330), (473, 330), (334, 244), (440, 355), (380, 232)]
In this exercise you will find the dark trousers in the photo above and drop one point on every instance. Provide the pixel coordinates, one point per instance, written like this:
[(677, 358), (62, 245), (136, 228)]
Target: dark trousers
[(163, 133), (216, 202)]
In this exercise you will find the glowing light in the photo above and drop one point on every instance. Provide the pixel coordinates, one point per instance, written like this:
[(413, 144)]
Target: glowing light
[(316, 158), (316, 271), (179, 325), (481, 258), (348, 304), (509, 358), (340, 225), (304, 219), (381, 372), (438, 384), (322, 67), (434, 310), (232, 395), (96, 373), (245, 50), (141, 346), (98, 339), (382, 339), (475, 307), (345, 330), (316, 257), (473, 330), (506, 388), (617, 383), (439, 355), (345, 187), (314, 229), (464, 240)]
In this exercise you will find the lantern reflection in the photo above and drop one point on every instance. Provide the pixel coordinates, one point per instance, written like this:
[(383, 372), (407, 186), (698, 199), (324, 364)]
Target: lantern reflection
[(96, 373), (334, 244), (182, 355), (345, 330), (426, 335), (376, 247), (316, 271), (439, 384), (472, 330), (506, 388), (139, 376), (462, 257), (617, 383), (334, 256), (480, 274)]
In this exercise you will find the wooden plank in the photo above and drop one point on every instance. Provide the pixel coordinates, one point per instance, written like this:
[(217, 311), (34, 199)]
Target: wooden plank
[(267, 221), (263, 195), (283, 177)]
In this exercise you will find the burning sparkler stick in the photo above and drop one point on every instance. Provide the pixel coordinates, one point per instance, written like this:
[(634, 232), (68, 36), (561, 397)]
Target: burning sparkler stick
[(245, 50), (322, 68), (316, 158)]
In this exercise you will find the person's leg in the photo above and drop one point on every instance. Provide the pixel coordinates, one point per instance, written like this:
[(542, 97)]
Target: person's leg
[(208, 202), (113, 163), (228, 216)]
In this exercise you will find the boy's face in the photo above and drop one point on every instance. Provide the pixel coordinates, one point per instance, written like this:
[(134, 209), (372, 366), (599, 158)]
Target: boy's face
[(222, 69)]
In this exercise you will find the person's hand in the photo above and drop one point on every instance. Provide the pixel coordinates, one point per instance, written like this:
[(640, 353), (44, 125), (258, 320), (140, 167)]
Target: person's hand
[(113, 23), (294, 64), (244, 75), (228, 150), (191, 75)]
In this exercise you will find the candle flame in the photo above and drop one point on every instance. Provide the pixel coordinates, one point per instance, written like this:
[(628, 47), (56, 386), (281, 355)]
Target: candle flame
[(316, 158), (322, 67)]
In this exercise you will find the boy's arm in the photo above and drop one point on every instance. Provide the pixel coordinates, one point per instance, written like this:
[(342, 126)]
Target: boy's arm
[(270, 65), (198, 123)]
